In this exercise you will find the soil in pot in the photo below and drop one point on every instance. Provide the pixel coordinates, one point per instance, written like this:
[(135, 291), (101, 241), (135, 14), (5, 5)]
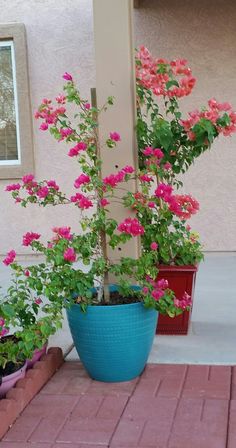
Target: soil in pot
[(9, 369), (10, 375), (12, 372), (117, 299)]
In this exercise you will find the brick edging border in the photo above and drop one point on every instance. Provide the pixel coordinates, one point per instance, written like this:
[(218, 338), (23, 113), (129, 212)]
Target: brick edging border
[(25, 389)]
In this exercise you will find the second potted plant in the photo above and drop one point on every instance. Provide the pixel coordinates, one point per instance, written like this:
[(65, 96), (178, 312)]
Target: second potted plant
[(172, 144)]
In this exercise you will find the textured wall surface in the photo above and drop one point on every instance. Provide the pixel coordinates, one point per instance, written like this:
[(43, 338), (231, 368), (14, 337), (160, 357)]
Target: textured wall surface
[(203, 32), (59, 39)]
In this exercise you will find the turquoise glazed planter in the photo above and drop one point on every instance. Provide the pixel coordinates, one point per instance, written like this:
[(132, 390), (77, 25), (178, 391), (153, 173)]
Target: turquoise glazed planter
[(113, 342)]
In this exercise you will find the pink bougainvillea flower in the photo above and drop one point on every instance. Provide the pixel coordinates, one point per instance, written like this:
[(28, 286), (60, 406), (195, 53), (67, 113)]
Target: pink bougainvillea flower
[(3, 330), (151, 204), (2, 322), (128, 169), (63, 232), (167, 166), (43, 126), (73, 152), (52, 184), (115, 136), (67, 76), (145, 290), (148, 151), (174, 206), (183, 303), (139, 199), (61, 99), (65, 132), (87, 106), (191, 136), (81, 180), (80, 146), (188, 206), (13, 187), (146, 178), (42, 192), (154, 75), (10, 257), (131, 226), (157, 294), (27, 178), (104, 202), (38, 301), (27, 273), (81, 201), (60, 110), (46, 101), (29, 237), (113, 179), (151, 281), (69, 255), (163, 284), (164, 191), (157, 152), (154, 245)]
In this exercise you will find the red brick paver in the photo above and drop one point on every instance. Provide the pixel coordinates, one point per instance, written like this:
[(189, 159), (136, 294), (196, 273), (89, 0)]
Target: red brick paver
[(169, 406)]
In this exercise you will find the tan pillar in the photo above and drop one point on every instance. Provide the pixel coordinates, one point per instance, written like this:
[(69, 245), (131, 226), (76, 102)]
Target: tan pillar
[(114, 55)]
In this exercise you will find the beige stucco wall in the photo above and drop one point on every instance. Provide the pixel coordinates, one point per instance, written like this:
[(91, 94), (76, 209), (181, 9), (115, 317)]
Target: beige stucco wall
[(203, 32), (59, 38)]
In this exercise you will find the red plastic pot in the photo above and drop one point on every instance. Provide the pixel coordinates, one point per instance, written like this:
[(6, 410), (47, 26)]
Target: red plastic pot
[(180, 279)]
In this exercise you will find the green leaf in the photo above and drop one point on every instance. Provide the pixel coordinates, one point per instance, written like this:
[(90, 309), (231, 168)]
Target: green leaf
[(162, 133), (8, 310), (171, 83)]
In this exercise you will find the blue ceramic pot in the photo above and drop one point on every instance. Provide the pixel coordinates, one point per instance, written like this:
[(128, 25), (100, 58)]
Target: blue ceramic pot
[(113, 342)]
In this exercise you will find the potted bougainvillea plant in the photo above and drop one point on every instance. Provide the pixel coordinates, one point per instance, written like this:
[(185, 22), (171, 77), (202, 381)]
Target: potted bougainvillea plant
[(168, 145), (112, 325), (20, 309)]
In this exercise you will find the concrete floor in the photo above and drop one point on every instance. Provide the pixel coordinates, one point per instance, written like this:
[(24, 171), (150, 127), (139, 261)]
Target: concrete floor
[(212, 335)]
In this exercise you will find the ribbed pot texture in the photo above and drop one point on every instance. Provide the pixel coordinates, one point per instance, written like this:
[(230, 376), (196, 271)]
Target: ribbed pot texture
[(113, 342)]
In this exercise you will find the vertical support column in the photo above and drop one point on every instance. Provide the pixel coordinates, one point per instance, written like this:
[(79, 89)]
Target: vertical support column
[(114, 56)]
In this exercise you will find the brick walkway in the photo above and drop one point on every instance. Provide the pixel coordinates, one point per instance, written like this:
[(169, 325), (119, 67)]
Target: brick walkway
[(169, 406)]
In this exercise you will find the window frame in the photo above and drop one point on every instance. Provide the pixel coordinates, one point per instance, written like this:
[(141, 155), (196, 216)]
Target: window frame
[(15, 33), (10, 43)]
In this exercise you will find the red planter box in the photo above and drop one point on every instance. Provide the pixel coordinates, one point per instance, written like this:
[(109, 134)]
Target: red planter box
[(180, 279)]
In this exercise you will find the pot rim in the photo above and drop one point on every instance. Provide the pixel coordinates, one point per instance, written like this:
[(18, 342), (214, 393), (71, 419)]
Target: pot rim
[(108, 307), (175, 267), (11, 376)]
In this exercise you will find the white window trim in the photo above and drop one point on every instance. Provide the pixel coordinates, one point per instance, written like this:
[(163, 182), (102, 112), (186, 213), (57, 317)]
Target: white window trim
[(11, 169), (10, 43)]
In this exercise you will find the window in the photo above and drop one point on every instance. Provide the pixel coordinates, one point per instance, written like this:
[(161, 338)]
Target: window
[(16, 147), (9, 125)]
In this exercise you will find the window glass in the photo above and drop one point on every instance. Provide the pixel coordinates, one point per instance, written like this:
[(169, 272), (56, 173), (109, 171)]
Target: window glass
[(9, 135)]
